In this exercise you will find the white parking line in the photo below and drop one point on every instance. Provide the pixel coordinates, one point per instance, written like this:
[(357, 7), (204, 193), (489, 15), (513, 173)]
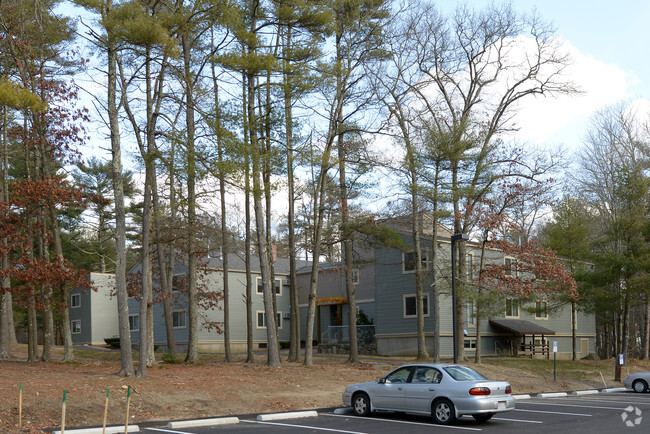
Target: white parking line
[(573, 405), (167, 431), (517, 420), (405, 422), (608, 400), (553, 412), (315, 428)]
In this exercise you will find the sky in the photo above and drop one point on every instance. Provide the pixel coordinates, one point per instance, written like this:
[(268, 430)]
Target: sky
[(610, 44)]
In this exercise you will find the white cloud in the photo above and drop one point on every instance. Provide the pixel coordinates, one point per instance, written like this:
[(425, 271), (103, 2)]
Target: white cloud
[(563, 119)]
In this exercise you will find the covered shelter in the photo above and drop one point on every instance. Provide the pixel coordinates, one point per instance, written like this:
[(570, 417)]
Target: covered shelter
[(521, 330)]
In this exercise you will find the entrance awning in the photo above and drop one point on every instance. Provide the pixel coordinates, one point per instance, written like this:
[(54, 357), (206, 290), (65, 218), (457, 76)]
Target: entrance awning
[(520, 327), (329, 301)]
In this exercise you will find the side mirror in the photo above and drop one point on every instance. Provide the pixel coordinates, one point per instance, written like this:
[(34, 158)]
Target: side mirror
[(382, 380)]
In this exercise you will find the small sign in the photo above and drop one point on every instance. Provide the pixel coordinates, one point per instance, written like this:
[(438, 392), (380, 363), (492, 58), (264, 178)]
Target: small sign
[(555, 346), (621, 360)]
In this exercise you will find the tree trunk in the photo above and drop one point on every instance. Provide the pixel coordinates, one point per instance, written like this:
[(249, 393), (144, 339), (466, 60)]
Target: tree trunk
[(126, 357)]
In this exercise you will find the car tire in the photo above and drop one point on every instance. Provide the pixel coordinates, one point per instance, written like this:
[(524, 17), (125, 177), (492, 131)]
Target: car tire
[(361, 404), (640, 386), (483, 417), (443, 411)]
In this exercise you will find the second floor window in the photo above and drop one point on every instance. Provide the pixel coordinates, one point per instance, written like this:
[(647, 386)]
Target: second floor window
[(541, 310), (408, 264), (75, 300), (278, 286), (134, 323), (512, 308)]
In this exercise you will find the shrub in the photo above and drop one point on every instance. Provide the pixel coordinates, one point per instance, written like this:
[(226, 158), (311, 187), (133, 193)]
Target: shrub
[(113, 342)]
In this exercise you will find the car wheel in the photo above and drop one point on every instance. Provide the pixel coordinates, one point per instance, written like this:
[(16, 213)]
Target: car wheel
[(443, 411), (361, 404), (640, 386), (483, 417)]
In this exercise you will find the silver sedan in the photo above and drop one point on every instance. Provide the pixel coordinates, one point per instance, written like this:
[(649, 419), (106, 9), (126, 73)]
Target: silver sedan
[(444, 391), (637, 382)]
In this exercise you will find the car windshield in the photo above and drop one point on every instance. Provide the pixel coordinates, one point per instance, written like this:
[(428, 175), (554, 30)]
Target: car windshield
[(463, 373)]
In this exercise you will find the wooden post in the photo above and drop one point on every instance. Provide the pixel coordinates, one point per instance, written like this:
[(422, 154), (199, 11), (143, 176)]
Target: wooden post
[(128, 402), (20, 406), (63, 414), (105, 412)]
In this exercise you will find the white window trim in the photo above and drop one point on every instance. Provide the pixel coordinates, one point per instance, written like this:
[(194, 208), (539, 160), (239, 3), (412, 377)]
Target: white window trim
[(424, 258), (425, 300), (355, 273), (518, 308), (258, 285), (545, 317), (469, 317), (136, 329), (470, 268), (513, 266), (72, 326), (184, 321), (470, 340), (72, 297), (278, 320)]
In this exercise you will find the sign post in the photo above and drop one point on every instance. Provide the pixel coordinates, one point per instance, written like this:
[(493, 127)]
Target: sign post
[(554, 359)]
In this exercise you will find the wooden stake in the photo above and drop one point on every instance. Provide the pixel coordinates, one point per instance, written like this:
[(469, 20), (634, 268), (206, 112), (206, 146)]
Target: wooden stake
[(63, 414), (128, 401), (20, 406), (105, 412)]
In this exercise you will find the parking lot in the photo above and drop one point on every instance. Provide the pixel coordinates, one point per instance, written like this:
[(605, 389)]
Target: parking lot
[(593, 413)]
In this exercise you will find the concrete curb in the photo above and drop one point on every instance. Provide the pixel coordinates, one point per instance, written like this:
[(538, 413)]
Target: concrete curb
[(343, 410), (585, 392), (203, 422), (551, 394), (109, 429), (292, 415), (613, 389)]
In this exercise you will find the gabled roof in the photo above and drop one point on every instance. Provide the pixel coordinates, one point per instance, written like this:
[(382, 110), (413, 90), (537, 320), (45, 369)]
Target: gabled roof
[(520, 327), (236, 262)]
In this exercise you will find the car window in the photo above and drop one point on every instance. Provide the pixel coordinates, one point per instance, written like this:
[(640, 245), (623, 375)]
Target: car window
[(463, 373), (426, 375), (400, 375)]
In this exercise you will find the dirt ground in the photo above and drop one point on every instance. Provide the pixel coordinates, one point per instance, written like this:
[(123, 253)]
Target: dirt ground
[(209, 389)]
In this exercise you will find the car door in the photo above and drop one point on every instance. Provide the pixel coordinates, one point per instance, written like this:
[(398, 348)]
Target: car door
[(388, 394), (421, 390)]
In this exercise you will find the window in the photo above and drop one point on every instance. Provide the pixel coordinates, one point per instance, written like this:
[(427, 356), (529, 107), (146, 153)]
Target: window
[(75, 300), (470, 268), (261, 319), (510, 267), (355, 276), (400, 375), (134, 323), (470, 344), (541, 310), (469, 312), (410, 307), (278, 286), (178, 319), (76, 326), (408, 261), (512, 308)]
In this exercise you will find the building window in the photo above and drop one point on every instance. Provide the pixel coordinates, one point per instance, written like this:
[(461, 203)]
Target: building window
[(470, 268), (410, 306), (261, 319), (512, 308), (510, 267), (408, 261), (278, 286), (541, 310), (355, 276), (76, 326), (75, 300), (469, 313), (178, 319), (134, 323), (470, 344)]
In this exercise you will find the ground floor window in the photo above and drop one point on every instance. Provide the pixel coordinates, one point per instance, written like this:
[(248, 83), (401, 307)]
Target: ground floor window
[(76, 326), (178, 319), (134, 323)]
